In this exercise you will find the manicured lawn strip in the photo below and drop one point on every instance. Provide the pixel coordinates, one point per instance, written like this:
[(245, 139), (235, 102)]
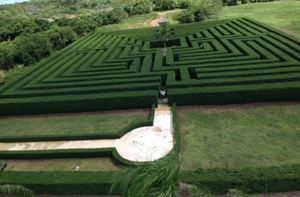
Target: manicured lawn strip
[(254, 180), (240, 136), (66, 164), (74, 126)]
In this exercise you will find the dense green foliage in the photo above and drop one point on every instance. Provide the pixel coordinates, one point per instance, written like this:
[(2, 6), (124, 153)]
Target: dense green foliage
[(138, 7), (158, 178), (199, 11)]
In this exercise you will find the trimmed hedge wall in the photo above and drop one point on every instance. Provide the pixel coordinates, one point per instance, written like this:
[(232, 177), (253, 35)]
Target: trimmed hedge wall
[(98, 182), (255, 180)]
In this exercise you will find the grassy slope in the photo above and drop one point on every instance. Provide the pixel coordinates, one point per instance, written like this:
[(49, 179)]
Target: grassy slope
[(282, 14), (137, 21), (243, 136), (110, 122)]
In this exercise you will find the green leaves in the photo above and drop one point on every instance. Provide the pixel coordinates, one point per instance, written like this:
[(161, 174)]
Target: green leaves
[(16, 191), (158, 178)]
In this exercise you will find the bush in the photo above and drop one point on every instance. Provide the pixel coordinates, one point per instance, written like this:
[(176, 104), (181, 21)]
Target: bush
[(139, 7), (60, 37), (200, 10), (186, 17), (31, 49), (231, 2), (7, 54), (165, 4), (116, 16)]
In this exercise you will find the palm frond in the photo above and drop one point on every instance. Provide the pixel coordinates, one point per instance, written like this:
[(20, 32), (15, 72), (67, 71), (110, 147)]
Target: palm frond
[(16, 191), (156, 178)]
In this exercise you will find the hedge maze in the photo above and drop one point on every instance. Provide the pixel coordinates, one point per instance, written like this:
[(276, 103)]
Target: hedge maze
[(232, 61)]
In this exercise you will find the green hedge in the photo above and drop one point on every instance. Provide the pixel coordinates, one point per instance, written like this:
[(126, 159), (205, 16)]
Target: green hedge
[(255, 180), (97, 183), (79, 103), (50, 154), (284, 91)]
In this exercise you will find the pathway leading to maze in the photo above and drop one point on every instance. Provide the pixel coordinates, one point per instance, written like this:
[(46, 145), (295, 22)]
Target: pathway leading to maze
[(141, 144)]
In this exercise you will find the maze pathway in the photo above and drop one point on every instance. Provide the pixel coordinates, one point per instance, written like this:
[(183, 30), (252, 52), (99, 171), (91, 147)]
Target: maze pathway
[(230, 61)]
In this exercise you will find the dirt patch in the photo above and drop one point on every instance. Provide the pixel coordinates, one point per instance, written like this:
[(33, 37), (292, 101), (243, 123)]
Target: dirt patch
[(161, 15)]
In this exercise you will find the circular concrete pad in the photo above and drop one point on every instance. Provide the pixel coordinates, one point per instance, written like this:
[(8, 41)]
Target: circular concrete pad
[(148, 143)]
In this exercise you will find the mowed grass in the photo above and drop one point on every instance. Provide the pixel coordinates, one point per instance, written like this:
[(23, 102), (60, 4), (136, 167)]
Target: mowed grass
[(284, 14), (240, 136), (67, 164), (110, 122), (133, 22)]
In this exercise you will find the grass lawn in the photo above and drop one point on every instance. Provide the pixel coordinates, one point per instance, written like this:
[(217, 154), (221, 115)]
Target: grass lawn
[(133, 22), (283, 14), (68, 164), (237, 136), (80, 123), (140, 21)]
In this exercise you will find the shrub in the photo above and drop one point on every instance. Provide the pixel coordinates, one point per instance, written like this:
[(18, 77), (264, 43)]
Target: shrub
[(7, 54), (31, 49), (186, 17), (60, 37), (139, 7), (200, 10), (116, 16), (231, 2), (165, 4)]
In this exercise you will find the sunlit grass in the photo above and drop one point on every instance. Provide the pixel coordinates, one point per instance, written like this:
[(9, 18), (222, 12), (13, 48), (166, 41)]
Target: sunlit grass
[(237, 137)]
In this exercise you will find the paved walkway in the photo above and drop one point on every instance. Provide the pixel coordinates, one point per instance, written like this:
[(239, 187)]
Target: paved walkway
[(141, 144)]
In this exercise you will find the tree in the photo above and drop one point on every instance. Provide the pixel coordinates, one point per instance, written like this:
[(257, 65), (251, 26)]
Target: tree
[(202, 10), (7, 55), (60, 37), (165, 4), (138, 7), (31, 49), (186, 17), (116, 16)]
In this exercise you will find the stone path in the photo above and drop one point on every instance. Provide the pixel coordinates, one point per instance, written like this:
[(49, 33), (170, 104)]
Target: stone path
[(141, 144)]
